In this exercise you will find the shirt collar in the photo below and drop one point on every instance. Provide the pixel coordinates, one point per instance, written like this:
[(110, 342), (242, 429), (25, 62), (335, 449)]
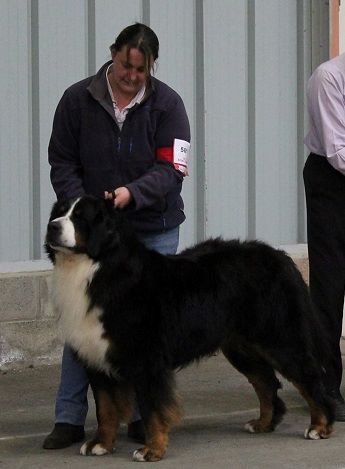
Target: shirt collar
[(137, 98)]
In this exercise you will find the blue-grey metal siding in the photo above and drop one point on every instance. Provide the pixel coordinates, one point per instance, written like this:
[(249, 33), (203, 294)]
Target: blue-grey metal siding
[(241, 68)]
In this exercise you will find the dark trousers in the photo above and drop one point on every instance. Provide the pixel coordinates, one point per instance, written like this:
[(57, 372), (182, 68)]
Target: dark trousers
[(325, 197)]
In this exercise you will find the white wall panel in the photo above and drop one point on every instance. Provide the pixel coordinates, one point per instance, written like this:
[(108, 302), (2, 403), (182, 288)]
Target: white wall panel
[(275, 130), (111, 16), (226, 117), (62, 61), (15, 132), (240, 67)]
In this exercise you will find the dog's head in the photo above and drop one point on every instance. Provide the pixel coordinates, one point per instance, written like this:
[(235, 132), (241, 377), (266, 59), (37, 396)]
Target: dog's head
[(85, 225)]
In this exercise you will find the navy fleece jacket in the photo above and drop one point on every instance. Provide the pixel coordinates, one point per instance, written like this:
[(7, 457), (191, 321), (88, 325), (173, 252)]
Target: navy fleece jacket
[(89, 154)]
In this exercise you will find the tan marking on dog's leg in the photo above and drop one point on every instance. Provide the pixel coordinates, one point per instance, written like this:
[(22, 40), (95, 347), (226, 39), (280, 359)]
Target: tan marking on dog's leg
[(264, 423), (111, 410), (248, 361), (158, 429), (319, 425), (124, 398)]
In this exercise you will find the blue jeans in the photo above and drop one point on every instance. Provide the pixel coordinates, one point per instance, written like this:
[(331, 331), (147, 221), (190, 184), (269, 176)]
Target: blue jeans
[(71, 401)]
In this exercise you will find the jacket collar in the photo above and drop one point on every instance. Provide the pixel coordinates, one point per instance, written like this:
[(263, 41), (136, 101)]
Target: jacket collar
[(98, 89)]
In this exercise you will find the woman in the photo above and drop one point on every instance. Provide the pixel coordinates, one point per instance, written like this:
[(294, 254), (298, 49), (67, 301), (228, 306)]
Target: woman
[(124, 135)]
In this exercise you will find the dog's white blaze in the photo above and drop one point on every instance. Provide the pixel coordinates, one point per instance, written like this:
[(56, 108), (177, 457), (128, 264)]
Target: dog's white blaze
[(67, 237), (79, 326)]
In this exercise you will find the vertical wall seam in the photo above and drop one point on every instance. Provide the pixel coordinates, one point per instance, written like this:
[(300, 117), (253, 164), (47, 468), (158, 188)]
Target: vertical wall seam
[(35, 183), (251, 121), (303, 72), (91, 38), (146, 15), (30, 150), (312, 49), (200, 139), (300, 104)]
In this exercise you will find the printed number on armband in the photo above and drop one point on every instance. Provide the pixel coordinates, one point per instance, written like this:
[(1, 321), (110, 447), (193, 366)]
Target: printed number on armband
[(181, 153)]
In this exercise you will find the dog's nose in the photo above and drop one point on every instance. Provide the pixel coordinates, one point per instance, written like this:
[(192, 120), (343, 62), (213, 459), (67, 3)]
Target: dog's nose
[(53, 227)]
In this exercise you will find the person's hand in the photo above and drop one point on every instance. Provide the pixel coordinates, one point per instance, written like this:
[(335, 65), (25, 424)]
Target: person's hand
[(121, 197)]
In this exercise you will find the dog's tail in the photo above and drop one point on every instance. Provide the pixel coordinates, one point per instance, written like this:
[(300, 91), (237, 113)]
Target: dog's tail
[(314, 338)]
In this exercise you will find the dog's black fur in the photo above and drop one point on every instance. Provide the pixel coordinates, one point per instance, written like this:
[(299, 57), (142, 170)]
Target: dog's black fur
[(160, 313)]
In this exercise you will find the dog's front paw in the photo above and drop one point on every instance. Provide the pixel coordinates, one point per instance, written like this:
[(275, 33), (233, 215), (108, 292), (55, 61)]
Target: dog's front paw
[(313, 433), (146, 454), (257, 426), (93, 448)]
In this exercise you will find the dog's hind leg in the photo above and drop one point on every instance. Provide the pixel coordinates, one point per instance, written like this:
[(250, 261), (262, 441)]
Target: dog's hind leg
[(321, 415), (265, 383), (113, 405), (159, 410), (307, 378)]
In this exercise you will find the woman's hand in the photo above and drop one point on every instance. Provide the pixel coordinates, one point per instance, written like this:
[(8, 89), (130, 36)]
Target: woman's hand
[(121, 197)]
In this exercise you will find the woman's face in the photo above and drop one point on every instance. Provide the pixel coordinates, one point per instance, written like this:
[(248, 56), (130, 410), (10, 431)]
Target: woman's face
[(128, 72)]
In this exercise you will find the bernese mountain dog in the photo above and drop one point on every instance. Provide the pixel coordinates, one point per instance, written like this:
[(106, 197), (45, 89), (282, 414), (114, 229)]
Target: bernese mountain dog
[(134, 316)]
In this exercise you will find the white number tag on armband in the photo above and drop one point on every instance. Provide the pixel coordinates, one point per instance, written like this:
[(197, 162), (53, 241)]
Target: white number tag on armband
[(181, 154)]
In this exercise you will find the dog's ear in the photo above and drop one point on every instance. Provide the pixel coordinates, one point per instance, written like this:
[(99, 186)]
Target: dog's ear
[(96, 240), (103, 234)]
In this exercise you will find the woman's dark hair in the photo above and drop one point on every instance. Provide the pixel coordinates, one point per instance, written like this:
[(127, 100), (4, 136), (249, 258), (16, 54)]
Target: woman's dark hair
[(141, 37)]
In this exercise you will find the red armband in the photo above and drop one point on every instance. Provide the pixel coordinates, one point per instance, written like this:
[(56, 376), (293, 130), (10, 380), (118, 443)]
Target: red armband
[(176, 155)]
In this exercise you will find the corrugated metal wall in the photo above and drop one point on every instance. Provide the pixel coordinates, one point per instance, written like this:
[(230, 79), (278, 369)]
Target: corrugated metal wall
[(240, 66)]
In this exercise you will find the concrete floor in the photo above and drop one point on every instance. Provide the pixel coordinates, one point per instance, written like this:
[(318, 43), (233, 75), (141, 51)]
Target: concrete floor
[(217, 402)]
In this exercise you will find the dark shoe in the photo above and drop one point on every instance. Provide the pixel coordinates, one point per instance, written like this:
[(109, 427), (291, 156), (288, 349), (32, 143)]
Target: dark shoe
[(64, 435), (136, 431), (339, 405)]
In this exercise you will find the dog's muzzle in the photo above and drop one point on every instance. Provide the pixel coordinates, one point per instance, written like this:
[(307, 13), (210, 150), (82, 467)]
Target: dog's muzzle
[(53, 232), (61, 233)]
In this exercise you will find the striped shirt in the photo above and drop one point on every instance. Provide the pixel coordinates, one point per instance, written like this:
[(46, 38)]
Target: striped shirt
[(326, 106)]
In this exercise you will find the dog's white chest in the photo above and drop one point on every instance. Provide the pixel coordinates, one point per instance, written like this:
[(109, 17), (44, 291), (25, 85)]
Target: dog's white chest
[(79, 326)]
